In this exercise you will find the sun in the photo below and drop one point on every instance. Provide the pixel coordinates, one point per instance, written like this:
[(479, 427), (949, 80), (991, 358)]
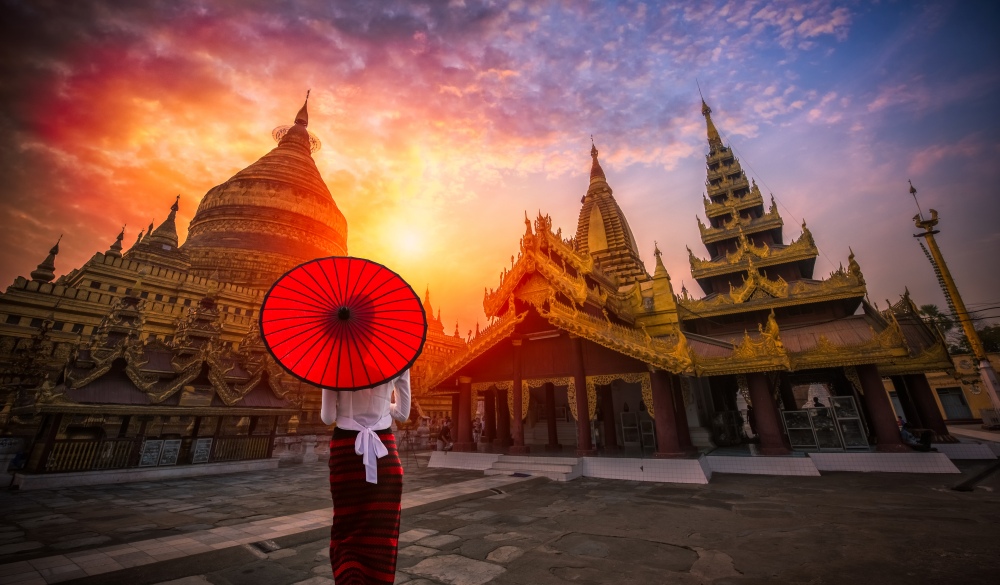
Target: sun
[(410, 242)]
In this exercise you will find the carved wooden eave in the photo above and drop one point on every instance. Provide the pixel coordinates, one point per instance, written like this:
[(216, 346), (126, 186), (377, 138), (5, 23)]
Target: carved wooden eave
[(487, 338), (882, 348), (761, 256), (768, 221), (935, 358), (750, 200), (674, 356), (564, 271), (840, 285)]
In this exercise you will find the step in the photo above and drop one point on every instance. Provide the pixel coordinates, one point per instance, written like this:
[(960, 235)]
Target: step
[(530, 467), (530, 459), (555, 476)]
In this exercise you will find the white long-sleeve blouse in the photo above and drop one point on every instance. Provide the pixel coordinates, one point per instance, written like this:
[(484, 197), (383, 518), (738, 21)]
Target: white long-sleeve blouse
[(367, 411)]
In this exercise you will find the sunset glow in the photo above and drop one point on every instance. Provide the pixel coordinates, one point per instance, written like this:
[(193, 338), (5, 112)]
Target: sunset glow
[(442, 123)]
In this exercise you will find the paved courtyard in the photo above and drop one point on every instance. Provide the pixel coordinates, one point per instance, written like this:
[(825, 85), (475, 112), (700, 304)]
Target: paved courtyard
[(460, 528)]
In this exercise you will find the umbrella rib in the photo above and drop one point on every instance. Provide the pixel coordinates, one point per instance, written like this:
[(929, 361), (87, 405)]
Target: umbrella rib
[(293, 366), (334, 291), (378, 336), (374, 336), (353, 294), (354, 345), (357, 347), (383, 326), (308, 301), (306, 291), (302, 322), (320, 288), (322, 351), (291, 337)]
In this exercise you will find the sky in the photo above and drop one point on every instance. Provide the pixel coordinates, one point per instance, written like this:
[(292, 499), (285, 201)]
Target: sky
[(443, 123)]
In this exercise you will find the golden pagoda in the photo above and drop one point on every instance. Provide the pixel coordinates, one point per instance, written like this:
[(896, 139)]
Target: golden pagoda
[(586, 349), (160, 342)]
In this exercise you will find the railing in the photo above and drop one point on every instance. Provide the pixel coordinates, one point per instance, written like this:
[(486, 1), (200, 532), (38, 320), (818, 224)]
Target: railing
[(239, 448), (76, 455), (86, 455)]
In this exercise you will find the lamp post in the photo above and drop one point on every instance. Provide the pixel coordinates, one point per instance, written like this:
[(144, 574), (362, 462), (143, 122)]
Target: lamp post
[(989, 377)]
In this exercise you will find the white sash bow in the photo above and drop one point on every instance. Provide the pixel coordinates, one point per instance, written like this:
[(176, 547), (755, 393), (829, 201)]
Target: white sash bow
[(368, 444)]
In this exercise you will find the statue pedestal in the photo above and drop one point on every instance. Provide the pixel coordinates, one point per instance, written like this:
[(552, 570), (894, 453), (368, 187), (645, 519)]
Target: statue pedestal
[(309, 449)]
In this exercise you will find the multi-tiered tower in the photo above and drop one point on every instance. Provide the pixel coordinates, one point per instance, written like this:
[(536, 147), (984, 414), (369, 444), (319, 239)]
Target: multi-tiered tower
[(751, 270)]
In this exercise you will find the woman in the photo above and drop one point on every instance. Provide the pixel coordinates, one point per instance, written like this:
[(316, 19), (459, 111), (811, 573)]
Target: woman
[(366, 480)]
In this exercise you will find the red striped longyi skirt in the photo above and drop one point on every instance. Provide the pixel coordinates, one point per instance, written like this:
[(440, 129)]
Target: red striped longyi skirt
[(365, 532)]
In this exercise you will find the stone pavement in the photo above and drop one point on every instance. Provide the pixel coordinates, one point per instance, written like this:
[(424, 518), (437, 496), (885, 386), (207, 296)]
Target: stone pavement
[(878, 528)]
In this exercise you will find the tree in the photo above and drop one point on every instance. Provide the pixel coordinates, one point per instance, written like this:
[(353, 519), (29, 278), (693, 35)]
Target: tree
[(946, 323), (988, 334)]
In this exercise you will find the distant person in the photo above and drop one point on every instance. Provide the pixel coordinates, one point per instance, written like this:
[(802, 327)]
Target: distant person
[(752, 419), (445, 436), (816, 403), (900, 422), (921, 444)]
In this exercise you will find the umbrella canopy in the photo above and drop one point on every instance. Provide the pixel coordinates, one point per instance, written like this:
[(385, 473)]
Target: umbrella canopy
[(343, 323)]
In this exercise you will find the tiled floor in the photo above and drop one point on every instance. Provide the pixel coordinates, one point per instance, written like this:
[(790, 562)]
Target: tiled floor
[(58, 568)]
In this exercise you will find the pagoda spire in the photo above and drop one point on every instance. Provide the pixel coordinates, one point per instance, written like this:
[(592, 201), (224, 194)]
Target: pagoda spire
[(138, 239), (714, 140), (660, 271), (46, 270), (596, 172), (166, 233), (302, 117), (115, 251)]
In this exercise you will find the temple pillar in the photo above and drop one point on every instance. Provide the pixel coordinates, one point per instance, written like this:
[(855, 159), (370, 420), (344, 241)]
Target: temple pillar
[(606, 400), (550, 417), (454, 417), (584, 441), (923, 398), (489, 416), (680, 412), (883, 423), (463, 440), (503, 421), (910, 413), (772, 438), (518, 447), (664, 415)]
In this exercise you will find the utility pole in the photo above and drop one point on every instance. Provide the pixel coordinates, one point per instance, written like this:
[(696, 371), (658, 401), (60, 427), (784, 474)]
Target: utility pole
[(991, 418)]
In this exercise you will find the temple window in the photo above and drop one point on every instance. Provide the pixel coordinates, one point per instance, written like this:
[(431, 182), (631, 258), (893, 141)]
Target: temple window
[(187, 302), (95, 284), (172, 300), (77, 328), (112, 288), (36, 322), (159, 297), (58, 326), (144, 295), (13, 319)]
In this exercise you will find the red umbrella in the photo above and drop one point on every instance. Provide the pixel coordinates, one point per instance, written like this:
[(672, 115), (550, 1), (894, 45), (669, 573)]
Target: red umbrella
[(343, 323)]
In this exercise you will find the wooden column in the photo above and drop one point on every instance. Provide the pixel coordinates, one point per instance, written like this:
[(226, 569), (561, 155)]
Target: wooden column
[(584, 441), (273, 436), (489, 416), (518, 448), (550, 418), (454, 417), (664, 415), (463, 441), (910, 412), (608, 410), (680, 412), (503, 422), (883, 422), (49, 438), (772, 438), (923, 398)]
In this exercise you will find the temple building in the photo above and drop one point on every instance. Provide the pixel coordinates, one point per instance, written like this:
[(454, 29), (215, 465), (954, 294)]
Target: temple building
[(151, 355), (438, 350), (586, 351)]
